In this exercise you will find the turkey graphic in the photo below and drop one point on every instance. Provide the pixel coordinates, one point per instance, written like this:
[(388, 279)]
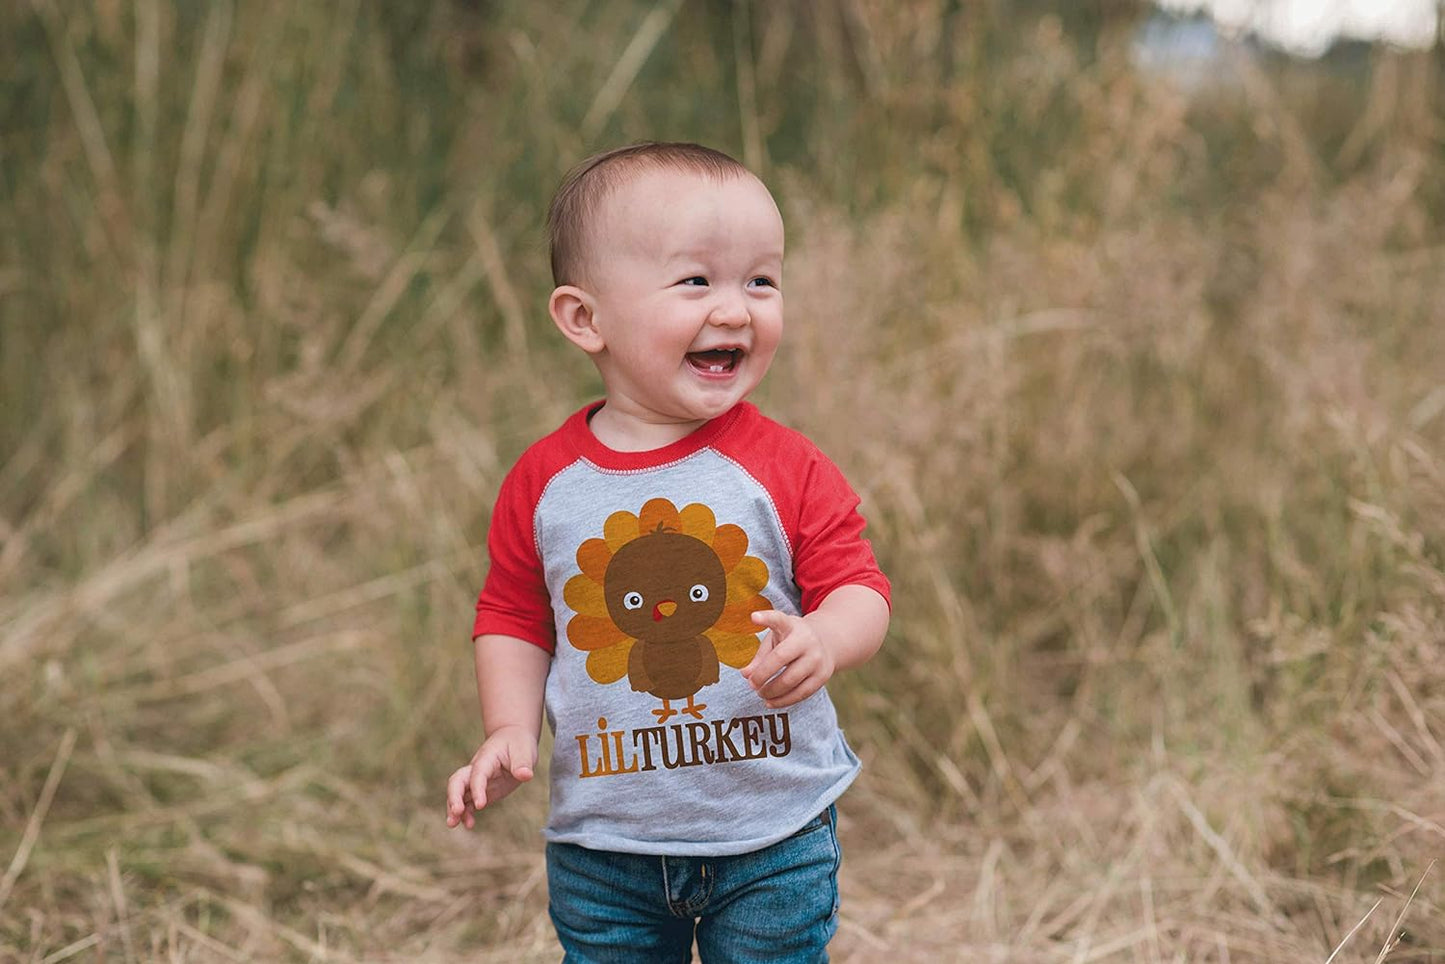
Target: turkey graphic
[(664, 598)]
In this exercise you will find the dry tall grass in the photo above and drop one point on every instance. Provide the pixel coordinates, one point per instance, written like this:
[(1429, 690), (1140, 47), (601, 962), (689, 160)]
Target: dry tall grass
[(1144, 394)]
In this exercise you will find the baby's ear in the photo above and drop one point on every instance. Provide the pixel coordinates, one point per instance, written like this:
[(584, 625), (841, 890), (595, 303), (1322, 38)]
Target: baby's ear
[(572, 309)]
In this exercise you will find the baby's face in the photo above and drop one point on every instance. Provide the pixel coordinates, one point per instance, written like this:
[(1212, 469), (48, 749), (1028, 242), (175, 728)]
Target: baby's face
[(686, 273)]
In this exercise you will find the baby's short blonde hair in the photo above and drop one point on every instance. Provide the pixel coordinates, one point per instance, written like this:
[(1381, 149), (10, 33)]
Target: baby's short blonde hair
[(583, 189)]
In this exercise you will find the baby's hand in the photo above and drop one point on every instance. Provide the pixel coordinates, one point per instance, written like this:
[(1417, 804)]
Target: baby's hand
[(792, 663), (503, 763)]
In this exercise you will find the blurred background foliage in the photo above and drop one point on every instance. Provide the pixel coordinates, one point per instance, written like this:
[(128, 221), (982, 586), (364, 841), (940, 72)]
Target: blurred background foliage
[(1138, 368)]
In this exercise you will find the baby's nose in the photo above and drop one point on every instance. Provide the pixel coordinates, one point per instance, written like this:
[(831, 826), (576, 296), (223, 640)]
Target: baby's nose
[(730, 312)]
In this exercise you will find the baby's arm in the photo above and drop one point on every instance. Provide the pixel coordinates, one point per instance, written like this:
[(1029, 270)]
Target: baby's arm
[(844, 631), (511, 680)]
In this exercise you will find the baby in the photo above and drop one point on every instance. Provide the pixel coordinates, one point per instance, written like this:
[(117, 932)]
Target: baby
[(638, 552)]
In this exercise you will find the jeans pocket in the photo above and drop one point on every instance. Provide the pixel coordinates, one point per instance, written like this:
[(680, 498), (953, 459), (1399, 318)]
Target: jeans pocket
[(821, 835), (781, 902), (825, 819)]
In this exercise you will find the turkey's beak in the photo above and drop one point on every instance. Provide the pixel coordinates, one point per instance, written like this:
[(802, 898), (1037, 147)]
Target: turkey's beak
[(665, 608)]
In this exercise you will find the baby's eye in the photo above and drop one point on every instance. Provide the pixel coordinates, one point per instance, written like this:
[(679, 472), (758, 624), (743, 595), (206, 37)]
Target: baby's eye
[(762, 282), (632, 600), (696, 280)]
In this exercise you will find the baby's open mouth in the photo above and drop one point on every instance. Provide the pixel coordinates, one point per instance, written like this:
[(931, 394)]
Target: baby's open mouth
[(718, 361)]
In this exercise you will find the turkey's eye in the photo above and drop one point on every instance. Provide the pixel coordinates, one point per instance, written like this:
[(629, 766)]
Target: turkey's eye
[(632, 600), (698, 593)]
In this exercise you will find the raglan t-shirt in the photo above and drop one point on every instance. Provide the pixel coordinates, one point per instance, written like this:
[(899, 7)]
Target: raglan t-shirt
[(639, 572)]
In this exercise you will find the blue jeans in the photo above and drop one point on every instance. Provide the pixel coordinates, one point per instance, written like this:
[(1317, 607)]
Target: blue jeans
[(778, 905)]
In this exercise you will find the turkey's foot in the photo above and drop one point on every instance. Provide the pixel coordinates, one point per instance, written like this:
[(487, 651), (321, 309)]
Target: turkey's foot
[(667, 712), (694, 710)]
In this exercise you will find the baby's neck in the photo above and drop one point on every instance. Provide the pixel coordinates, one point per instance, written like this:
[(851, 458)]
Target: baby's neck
[(622, 432)]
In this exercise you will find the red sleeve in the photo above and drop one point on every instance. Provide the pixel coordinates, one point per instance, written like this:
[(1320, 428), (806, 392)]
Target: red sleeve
[(514, 600), (829, 550), (817, 507)]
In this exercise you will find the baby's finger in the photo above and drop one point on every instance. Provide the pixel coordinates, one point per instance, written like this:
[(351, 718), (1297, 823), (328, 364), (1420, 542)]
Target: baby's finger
[(464, 819), (774, 619), (457, 788), (765, 671), (785, 654), (522, 772), (483, 769), (520, 760), (779, 627), (765, 646), (796, 694), (456, 797), (790, 678)]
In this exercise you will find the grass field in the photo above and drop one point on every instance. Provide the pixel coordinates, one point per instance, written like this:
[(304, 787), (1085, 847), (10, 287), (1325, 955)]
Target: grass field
[(1144, 390)]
